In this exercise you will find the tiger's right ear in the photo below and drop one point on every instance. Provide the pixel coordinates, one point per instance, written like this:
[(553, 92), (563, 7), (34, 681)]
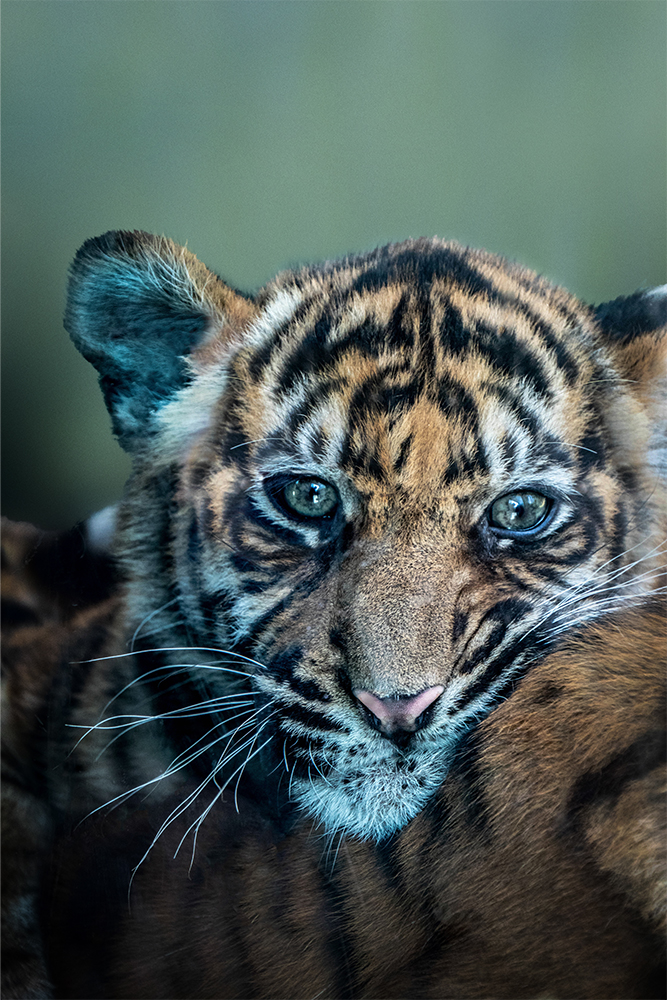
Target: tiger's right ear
[(137, 305), (634, 332)]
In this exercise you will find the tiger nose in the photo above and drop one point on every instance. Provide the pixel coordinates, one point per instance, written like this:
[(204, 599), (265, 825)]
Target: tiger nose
[(398, 717)]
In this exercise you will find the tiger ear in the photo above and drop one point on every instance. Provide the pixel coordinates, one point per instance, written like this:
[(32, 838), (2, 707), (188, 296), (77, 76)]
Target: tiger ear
[(634, 331), (137, 305), (634, 328)]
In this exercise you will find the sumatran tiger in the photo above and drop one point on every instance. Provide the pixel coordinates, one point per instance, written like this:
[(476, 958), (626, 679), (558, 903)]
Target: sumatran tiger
[(365, 505)]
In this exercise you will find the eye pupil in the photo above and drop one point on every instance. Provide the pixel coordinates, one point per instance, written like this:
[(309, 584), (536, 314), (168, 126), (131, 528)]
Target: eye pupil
[(519, 511), (310, 497), (516, 506)]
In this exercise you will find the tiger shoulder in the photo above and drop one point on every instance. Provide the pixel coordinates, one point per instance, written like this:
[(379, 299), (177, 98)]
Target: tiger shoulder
[(537, 870)]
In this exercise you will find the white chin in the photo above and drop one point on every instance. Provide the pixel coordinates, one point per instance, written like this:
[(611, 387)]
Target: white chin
[(369, 806)]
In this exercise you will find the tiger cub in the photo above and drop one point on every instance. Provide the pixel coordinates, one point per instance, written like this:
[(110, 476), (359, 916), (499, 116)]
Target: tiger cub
[(361, 503), (364, 502)]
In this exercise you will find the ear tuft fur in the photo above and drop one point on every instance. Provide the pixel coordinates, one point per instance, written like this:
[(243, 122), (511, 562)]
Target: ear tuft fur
[(633, 315), (137, 304), (634, 331)]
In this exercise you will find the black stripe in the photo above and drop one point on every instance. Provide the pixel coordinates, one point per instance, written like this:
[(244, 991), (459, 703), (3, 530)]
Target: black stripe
[(454, 398), (460, 624), (591, 450), (455, 336), (509, 398), (399, 332), (589, 530), (471, 781), (282, 667), (619, 528), (318, 393), (513, 356), (340, 944), (313, 720), (508, 686), (464, 466), (315, 353), (501, 614), (232, 449), (557, 347), (629, 480), (500, 347), (564, 359), (458, 336), (290, 536), (304, 587), (403, 453), (608, 782), (263, 356), (15, 613), (214, 609), (378, 395), (254, 586), (419, 265), (310, 355), (493, 671)]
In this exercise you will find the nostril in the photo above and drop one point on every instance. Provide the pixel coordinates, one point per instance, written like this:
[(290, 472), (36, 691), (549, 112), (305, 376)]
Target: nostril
[(399, 715)]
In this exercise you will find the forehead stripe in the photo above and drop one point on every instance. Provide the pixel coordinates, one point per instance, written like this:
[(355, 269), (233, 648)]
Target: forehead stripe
[(421, 269), (508, 353), (457, 338), (263, 356)]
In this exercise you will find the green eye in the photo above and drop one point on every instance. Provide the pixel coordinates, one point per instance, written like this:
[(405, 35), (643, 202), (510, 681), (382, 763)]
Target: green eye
[(310, 498), (519, 511)]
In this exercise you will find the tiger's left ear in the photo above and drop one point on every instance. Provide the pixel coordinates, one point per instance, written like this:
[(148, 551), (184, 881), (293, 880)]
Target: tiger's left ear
[(137, 306), (635, 331)]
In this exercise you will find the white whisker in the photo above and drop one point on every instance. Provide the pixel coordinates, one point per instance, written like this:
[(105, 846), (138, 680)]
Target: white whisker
[(148, 618), (176, 649), (325, 779)]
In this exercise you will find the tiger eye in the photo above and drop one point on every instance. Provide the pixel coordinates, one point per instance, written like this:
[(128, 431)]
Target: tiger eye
[(310, 497), (519, 511)]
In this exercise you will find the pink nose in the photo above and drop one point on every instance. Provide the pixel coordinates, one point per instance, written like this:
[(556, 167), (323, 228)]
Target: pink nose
[(395, 715)]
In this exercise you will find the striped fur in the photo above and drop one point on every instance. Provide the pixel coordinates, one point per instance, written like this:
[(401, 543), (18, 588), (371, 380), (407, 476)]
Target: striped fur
[(537, 871), (422, 381), (334, 666)]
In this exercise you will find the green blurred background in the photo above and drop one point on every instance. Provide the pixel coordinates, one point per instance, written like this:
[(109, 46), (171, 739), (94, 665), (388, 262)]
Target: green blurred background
[(266, 134)]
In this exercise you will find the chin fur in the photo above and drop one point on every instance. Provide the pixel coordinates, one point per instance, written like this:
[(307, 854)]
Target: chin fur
[(376, 802)]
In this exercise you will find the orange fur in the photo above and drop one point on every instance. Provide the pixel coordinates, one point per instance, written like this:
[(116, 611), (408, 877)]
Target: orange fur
[(248, 645)]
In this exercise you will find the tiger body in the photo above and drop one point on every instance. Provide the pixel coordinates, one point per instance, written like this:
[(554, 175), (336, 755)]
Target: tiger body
[(364, 504), (537, 869)]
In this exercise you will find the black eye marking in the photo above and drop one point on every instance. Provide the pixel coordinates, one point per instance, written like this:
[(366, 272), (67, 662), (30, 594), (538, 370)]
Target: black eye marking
[(520, 512), (306, 498)]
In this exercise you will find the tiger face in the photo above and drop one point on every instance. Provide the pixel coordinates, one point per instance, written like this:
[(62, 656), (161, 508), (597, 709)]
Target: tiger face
[(368, 498)]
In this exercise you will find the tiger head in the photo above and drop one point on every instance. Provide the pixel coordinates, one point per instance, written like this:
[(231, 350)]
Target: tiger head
[(375, 493)]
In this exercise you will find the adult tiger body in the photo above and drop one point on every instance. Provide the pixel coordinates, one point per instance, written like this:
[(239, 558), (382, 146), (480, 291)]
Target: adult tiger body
[(538, 869), (363, 503)]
